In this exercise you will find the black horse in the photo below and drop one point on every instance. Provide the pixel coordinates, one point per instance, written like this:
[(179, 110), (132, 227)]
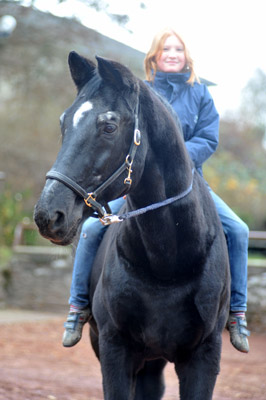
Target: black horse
[(160, 280)]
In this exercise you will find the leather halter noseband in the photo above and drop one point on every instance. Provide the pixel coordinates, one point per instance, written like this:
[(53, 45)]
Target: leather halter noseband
[(90, 198)]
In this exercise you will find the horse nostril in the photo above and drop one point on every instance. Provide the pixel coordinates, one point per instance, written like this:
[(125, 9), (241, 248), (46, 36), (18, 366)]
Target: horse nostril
[(58, 220), (49, 224)]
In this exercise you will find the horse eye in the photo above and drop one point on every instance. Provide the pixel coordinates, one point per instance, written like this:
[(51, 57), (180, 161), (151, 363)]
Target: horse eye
[(109, 128)]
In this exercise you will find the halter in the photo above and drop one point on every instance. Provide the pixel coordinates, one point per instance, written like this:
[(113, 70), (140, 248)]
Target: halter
[(104, 213), (90, 198)]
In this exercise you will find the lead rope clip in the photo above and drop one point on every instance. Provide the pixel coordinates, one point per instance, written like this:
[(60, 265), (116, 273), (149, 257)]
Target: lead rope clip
[(109, 219)]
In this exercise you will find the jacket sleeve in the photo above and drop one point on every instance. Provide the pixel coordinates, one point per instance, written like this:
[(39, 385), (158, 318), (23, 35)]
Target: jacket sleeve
[(205, 137)]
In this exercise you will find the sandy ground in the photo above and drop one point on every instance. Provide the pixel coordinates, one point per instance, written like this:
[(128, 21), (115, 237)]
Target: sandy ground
[(34, 365)]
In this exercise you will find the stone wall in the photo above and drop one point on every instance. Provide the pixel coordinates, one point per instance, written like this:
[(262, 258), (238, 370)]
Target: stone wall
[(41, 281), (257, 297)]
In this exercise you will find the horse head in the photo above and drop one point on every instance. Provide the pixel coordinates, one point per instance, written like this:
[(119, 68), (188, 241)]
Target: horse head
[(97, 149)]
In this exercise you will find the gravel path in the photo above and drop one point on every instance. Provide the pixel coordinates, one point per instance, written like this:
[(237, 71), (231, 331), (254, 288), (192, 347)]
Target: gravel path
[(35, 366)]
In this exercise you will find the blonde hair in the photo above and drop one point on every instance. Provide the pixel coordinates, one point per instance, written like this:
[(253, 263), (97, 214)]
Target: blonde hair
[(155, 52)]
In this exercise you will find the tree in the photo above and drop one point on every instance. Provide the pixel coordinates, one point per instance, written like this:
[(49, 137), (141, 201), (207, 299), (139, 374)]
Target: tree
[(253, 106), (237, 171)]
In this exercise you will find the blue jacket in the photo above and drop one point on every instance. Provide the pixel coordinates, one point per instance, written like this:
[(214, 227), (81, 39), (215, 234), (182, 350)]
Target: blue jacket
[(196, 111)]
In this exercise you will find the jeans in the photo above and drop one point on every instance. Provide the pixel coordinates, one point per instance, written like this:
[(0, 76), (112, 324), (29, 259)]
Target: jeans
[(236, 232), (90, 238), (237, 236)]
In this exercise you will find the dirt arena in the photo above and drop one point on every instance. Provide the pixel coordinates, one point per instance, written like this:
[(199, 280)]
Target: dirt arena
[(35, 366)]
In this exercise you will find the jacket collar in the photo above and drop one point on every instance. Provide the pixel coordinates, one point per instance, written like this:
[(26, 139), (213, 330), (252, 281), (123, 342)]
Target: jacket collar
[(175, 77)]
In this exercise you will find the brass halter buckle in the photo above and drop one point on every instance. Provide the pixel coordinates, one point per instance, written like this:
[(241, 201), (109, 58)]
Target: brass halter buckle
[(87, 200), (129, 161), (128, 179)]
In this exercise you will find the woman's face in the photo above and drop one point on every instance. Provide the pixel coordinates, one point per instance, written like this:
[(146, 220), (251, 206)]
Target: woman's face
[(173, 57)]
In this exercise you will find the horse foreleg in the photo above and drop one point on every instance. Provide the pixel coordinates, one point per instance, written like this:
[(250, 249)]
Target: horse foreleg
[(118, 366), (197, 375), (150, 381)]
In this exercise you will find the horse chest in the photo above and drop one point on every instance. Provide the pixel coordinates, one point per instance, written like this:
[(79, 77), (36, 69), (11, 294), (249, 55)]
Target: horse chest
[(143, 312)]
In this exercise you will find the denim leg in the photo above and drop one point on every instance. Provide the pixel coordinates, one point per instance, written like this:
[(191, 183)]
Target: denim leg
[(237, 236), (90, 238)]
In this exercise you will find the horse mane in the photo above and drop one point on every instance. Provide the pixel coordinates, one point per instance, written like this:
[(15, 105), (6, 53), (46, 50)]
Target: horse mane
[(169, 108), (158, 110), (163, 125)]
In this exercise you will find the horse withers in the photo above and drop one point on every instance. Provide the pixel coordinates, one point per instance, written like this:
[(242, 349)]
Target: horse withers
[(160, 280)]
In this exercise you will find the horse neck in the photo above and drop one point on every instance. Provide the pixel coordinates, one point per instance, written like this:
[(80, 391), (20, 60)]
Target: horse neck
[(166, 174), (168, 169)]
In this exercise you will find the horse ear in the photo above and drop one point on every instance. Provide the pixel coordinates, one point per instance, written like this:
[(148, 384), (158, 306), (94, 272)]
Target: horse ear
[(116, 73), (81, 69)]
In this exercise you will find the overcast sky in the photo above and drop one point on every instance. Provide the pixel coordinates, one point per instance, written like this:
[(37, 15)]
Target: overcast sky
[(226, 38)]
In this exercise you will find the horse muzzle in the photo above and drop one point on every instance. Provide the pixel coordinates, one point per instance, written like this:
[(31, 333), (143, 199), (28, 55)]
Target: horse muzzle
[(57, 214)]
